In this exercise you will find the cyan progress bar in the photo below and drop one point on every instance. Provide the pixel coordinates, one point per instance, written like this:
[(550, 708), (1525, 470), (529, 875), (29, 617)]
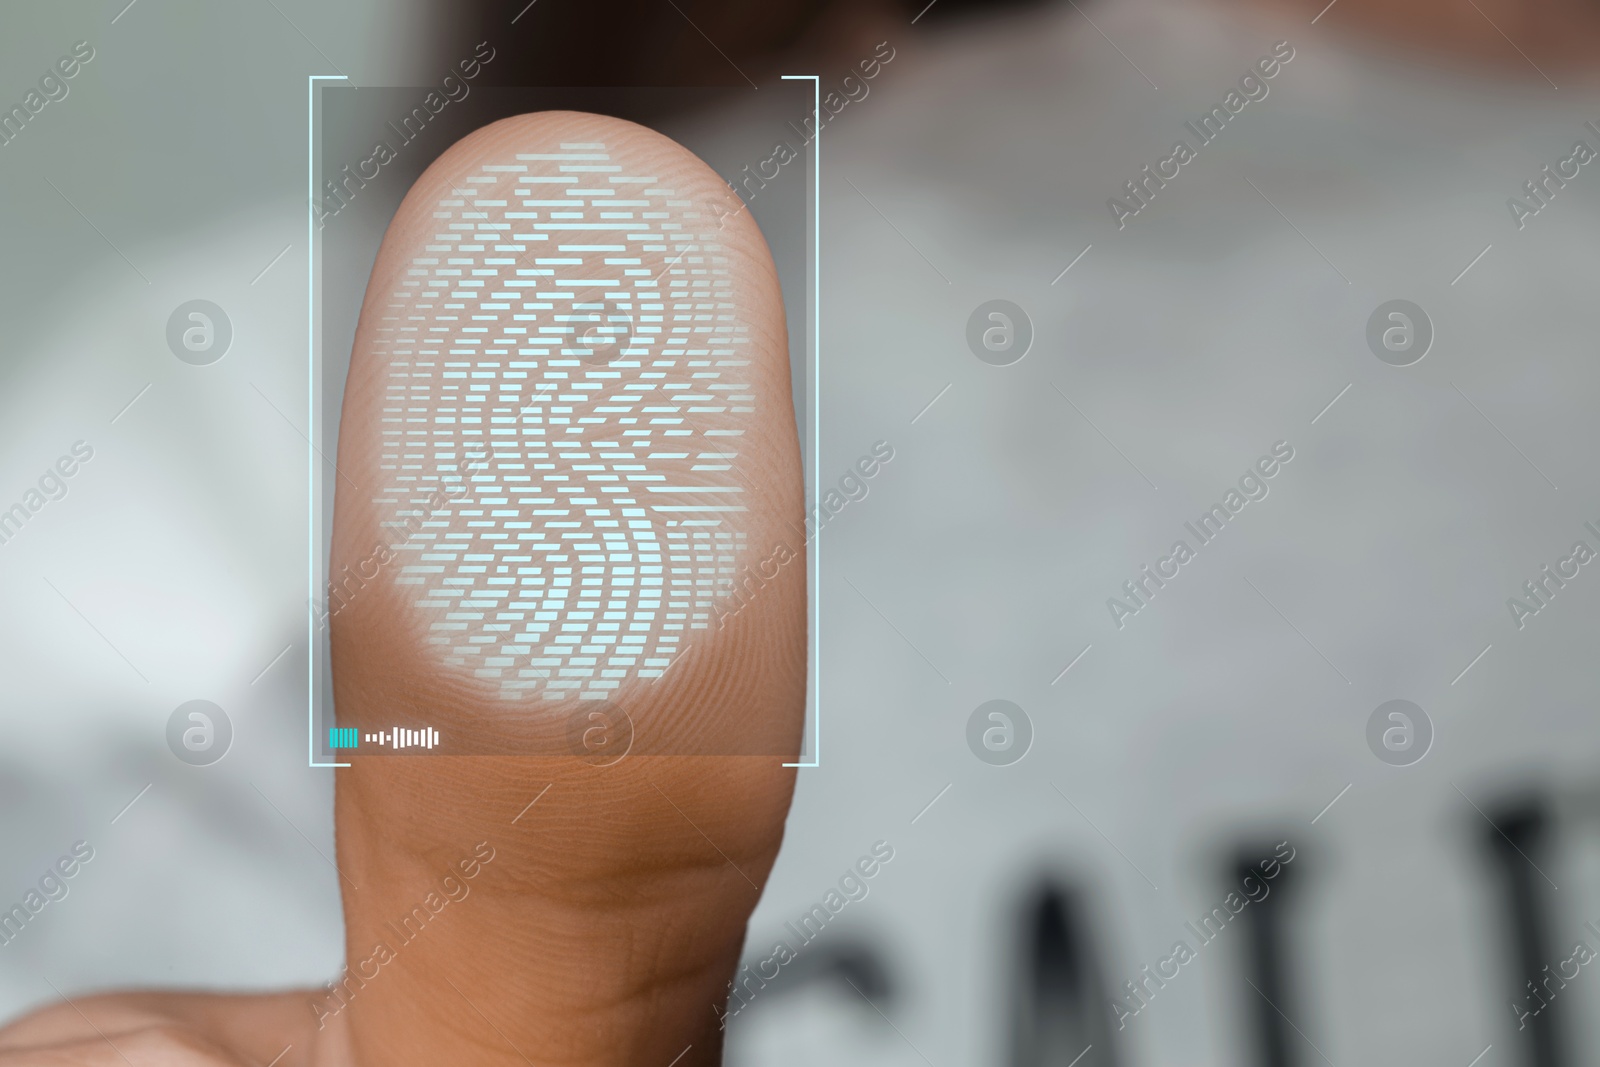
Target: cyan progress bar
[(399, 737)]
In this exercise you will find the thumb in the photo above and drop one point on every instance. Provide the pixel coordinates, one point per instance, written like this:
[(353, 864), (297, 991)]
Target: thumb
[(574, 566)]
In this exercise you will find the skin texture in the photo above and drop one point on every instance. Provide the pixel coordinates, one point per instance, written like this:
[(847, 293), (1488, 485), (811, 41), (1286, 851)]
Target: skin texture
[(602, 924), (606, 926)]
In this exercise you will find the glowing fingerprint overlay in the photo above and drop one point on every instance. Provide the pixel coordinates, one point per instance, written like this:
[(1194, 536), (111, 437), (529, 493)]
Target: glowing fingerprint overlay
[(566, 398)]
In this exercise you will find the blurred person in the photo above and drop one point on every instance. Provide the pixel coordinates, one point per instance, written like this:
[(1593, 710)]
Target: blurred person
[(618, 929)]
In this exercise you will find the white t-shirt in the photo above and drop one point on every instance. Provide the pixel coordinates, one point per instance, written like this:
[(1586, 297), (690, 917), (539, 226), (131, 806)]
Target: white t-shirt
[(1174, 353), (1229, 703)]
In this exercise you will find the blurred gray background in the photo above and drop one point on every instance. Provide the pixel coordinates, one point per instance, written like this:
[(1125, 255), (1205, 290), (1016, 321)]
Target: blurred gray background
[(1228, 714)]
